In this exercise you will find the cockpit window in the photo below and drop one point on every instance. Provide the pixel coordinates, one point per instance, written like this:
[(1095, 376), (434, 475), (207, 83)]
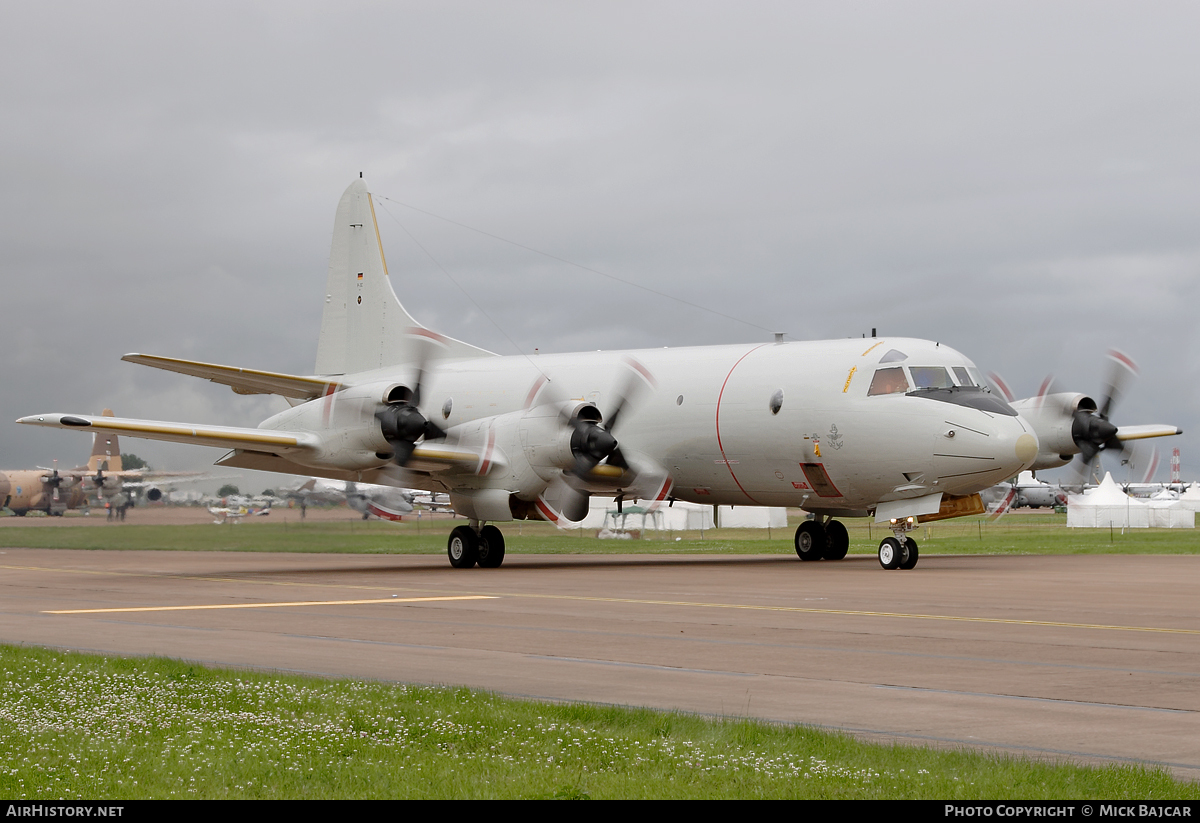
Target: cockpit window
[(888, 381), (894, 356), (964, 379), (931, 377)]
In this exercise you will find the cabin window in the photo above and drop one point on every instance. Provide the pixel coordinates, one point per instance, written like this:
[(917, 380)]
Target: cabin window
[(931, 377), (776, 402), (888, 381)]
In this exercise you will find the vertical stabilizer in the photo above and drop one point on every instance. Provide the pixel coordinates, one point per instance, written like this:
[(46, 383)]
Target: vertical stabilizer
[(106, 450), (363, 325)]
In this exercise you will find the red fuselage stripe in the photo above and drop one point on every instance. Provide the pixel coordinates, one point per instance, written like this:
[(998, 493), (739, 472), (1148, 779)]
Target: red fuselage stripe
[(720, 445)]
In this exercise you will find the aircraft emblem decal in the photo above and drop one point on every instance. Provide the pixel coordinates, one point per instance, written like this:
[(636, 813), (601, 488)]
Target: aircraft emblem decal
[(835, 439)]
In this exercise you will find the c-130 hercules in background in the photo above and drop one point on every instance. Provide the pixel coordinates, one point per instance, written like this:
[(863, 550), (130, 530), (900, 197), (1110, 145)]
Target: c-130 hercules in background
[(901, 428)]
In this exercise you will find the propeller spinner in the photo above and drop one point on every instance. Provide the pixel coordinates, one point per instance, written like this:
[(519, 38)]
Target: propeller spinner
[(1090, 426), (401, 420)]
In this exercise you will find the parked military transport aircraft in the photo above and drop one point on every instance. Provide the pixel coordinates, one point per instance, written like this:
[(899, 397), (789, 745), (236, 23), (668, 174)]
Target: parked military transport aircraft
[(905, 429), (54, 491)]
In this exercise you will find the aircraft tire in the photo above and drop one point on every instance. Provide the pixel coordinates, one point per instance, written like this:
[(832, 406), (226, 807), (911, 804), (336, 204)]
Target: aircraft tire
[(890, 553), (463, 547), (491, 547), (811, 540), (839, 540), (909, 554)]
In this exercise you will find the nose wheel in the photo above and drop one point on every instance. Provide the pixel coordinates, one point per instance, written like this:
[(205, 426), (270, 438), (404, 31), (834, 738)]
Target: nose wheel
[(899, 552)]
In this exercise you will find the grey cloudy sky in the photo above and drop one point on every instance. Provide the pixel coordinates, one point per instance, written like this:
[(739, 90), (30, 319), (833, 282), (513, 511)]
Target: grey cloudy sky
[(1018, 180)]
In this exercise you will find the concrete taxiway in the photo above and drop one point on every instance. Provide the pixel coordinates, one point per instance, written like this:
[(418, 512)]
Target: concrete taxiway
[(1088, 658)]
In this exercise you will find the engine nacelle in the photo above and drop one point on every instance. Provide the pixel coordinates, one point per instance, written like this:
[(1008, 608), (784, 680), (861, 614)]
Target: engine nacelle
[(1052, 418), (546, 435), (351, 437)]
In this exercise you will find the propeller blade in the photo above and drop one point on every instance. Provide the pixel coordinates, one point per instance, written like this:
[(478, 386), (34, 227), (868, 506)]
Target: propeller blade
[(1048, 387), (998, 383), (401, 421), (637, 379), (563, 501), (1004, 505), (1141, 461), (1080, 472), (1121, 370), (426, 344)]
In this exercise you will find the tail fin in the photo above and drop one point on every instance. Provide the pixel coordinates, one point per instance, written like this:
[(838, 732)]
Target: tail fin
[(106, 450), (363, 324)]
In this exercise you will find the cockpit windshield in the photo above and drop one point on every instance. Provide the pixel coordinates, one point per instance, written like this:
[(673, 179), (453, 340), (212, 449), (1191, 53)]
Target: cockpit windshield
[(888, 381), (961, 385), (931, 377)]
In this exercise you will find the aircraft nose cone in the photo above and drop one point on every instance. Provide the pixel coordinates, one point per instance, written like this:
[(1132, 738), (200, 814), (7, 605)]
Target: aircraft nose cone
[(1027, 449)]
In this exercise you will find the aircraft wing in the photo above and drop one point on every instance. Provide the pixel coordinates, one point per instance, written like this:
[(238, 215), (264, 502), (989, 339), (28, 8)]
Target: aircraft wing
[(1140, 432), (225, 437), (243, 381)]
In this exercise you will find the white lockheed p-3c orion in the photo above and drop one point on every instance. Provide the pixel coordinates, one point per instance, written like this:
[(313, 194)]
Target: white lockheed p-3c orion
[(901, 428)]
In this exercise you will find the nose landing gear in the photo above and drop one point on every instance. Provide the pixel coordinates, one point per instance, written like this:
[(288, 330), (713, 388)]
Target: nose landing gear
[(900, 551)]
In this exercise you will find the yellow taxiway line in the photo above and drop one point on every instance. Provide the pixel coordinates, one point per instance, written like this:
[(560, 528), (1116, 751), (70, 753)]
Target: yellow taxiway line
[(270, 605), (581, 598)]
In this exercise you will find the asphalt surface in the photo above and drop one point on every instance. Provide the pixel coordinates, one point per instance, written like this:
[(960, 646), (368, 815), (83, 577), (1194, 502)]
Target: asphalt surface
[(1085, 658)]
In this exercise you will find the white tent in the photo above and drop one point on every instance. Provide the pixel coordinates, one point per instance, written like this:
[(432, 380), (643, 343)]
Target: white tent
[(751, 517), (602, 513), (1191, 497), (1106, 506), (681, 516), (1167, 511)]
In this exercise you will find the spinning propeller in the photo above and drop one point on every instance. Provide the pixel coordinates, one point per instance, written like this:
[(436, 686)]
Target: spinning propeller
[(1090, 427), (401, 420), (53, 480), (1069, 423), (593, 441)]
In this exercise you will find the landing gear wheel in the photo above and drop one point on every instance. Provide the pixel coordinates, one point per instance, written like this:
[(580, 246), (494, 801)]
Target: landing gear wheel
[(890, 553), (463, 547), (839, 540), (909, 554), (491, 547), (811, 540)]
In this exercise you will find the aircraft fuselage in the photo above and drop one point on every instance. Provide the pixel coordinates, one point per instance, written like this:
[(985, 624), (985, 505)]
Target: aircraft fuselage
[(778, 424)]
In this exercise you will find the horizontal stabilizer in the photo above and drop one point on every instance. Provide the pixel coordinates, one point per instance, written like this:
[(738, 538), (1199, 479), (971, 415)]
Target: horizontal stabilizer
[(225, 437), (1142, 432), (243, 381)]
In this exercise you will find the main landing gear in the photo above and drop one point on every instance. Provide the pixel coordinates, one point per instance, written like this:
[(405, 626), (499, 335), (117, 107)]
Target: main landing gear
[(899, 552), (822, 540), (476, 543)]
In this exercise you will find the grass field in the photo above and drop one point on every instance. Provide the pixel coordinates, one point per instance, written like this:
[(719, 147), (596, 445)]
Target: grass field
[(80, 726), (1017, 533)]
